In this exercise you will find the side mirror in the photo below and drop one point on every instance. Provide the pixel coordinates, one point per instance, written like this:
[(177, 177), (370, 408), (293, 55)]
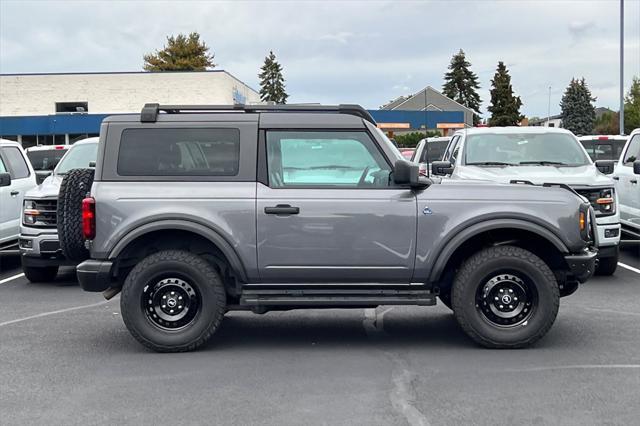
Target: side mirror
[(5, 179), (605, 166), (441, 168), (636, 167), (408, 173)]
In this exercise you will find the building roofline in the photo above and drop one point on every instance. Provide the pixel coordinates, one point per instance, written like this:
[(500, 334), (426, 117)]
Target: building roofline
[(107, 73), (438, 92)]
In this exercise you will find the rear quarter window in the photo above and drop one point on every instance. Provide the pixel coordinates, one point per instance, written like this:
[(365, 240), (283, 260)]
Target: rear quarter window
[(179, 152)]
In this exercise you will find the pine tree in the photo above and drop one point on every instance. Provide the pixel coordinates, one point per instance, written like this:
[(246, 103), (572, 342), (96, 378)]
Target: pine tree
[(505, 107), (578, 112), (461, 84), (632, 107), (272, 87), (182, 53)]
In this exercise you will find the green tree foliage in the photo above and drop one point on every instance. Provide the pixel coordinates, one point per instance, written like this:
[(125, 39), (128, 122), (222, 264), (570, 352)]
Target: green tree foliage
[(578, 112), (505, 107), (272, 87), (410, 140), (607, 124), (632, 107), (181, 53), (461, 84)]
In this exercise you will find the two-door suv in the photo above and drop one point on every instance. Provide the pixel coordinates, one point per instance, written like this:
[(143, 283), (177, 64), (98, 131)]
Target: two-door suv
[(198, 210)]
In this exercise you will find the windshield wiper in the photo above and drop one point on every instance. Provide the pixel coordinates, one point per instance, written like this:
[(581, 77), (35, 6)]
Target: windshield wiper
[(545, 163), (491, 163)]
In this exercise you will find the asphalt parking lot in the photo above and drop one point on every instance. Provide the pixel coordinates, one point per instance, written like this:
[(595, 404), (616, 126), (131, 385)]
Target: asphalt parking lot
[(66, 358)]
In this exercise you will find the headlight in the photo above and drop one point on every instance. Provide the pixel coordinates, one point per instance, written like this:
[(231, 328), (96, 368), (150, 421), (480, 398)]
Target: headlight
[(605, 204), (29, 212)]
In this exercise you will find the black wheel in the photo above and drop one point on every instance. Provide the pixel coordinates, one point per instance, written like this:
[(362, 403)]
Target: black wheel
[(607, 265), (445, 298), (74, 188), (173, 301), (40, 275), (505, 297)]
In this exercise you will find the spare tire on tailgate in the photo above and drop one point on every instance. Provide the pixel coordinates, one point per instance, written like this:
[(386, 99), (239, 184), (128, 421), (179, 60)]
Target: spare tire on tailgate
[(74, 188)]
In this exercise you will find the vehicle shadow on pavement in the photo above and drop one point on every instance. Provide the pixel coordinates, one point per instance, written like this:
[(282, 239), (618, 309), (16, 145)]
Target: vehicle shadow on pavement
[(327, 329)]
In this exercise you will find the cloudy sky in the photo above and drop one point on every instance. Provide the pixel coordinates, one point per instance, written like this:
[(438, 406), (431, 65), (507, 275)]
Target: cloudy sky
[(341, 51)]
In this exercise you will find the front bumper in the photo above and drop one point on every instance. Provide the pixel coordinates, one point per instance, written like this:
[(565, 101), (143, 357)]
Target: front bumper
[(582, 265), (41, 247), (95, 275)]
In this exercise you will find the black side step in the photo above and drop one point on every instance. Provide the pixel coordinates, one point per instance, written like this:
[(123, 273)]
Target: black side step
[(335, 297)]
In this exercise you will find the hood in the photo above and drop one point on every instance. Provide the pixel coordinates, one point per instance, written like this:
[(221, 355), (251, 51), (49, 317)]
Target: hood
[(49, 188), (587, 175)]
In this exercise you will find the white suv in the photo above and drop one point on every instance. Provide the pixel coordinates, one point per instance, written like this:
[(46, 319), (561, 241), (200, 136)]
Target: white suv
[(16, 178), (537, 155)]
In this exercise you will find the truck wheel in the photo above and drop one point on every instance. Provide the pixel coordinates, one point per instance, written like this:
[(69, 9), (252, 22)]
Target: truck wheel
[(505, 297), (173, 301), (74, 188), (40, 275), (607, 265)]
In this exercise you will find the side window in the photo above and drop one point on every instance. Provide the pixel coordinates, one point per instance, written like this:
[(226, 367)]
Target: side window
[(179, 152), (3, 169), (335, 159), (15, 163), (633, 151), (456, 150)]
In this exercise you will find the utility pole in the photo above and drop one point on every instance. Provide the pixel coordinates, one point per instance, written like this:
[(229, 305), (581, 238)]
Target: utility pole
[(549, 107), (622, 67)]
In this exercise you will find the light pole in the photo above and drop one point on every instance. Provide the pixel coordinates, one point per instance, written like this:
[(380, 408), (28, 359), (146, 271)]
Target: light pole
[(622, 67), (549, 107)]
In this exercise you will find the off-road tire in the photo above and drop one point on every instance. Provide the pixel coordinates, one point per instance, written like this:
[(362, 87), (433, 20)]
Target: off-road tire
[(40, 275), (200, 274), (74, 188), (491, 261), (607, 266)]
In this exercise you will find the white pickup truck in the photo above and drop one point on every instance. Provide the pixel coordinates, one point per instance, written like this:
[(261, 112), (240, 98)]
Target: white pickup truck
[(627, 181)]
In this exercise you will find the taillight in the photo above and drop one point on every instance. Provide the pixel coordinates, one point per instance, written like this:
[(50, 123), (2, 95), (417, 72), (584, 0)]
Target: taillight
[(89, 218)]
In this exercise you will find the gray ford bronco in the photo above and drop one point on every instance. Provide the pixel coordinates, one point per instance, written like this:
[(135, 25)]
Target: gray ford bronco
[(198, 210)]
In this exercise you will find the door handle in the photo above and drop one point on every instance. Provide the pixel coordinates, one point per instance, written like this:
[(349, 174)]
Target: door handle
[(282, 209), (14, 193), (615, 178), (634, 181)]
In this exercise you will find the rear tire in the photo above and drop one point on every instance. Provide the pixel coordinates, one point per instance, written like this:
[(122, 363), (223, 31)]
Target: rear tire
[(505, 297), (74, 188), (40, 275), (173, 301), (607, 266)]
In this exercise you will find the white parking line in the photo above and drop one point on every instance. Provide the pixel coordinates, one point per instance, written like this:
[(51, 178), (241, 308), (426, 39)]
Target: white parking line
[(46, 314), (6, 280), (631, 268)]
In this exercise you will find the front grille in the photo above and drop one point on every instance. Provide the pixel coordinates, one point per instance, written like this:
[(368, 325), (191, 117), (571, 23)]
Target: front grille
[(47, 216)]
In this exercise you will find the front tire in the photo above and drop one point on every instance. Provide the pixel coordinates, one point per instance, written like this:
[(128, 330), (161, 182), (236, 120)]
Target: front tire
[(40, 275), (173, 301), (607, 266), (505, 297)]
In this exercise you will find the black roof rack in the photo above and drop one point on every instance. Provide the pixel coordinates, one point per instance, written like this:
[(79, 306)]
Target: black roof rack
[(150, 112)]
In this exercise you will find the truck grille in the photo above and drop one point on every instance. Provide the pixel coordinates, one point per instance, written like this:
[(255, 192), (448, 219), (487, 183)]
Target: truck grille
[(47, 216)]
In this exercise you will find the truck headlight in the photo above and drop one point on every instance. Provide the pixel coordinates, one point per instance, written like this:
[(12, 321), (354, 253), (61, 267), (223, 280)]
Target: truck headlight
[(605, 203), (29, 212)]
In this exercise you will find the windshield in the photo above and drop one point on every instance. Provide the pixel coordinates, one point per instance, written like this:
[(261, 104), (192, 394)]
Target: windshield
[(78, 157), (524, 149), (46, 159)]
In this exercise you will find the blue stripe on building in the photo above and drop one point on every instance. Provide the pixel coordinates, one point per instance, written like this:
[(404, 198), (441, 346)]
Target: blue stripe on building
[(60, 124)]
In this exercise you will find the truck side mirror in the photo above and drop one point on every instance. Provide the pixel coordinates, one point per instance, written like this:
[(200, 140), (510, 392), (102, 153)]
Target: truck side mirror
[(5, 179), (408, 173), (605, 166), (441, 168), (636, 167)]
